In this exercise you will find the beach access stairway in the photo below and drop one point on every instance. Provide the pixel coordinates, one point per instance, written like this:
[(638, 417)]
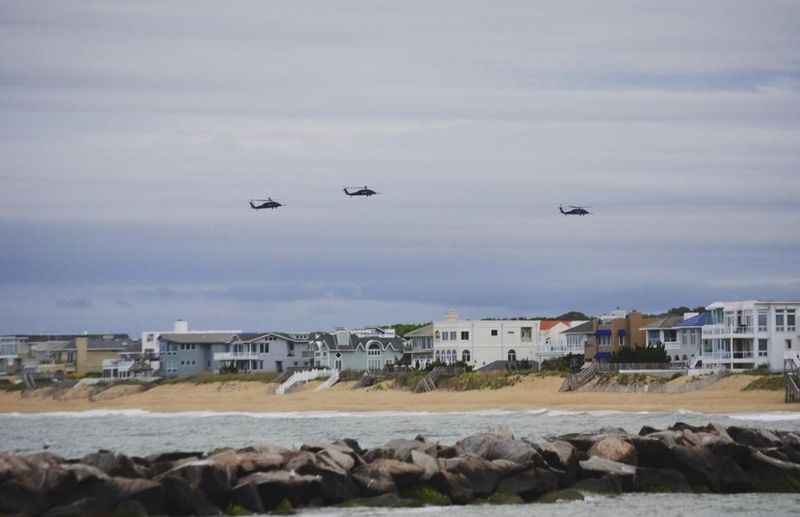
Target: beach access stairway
[(576, 380), (333, 379), (428, 383), (304, 376), (791, 379)]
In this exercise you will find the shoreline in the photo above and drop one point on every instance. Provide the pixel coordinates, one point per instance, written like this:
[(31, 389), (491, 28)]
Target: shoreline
[(537, 394)]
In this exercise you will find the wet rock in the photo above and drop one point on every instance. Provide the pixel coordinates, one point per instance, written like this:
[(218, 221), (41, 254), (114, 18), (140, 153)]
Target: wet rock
[(428, 464), (706, 471), (652, 452), (562, 456), (606, 485), (559, 496), (529, 484), (386, 475), (114, 464), (400, 450), (597, 467), (754, 437), (456, 486), (482, 475), (213, 479), (615, 449), (773, 475), (86, 507), (181, 499), (333, 468), (661, 480), (246, 496), (130, 509), (277, 486), (147, 493), (244, 463)]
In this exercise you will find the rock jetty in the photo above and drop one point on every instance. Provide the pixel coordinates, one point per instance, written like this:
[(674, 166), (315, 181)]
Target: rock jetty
[(492, 467)]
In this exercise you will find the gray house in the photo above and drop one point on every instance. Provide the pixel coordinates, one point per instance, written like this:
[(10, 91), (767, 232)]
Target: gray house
[(343, 350), (193, 353), (419, 347)]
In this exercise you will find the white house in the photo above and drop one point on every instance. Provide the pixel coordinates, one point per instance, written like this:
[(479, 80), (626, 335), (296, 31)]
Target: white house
[(553, 342), (680, 335), (481, 342), (750, 334)]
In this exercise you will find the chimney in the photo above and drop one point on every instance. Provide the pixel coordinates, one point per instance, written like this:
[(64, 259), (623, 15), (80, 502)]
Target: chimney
[(452, 315)]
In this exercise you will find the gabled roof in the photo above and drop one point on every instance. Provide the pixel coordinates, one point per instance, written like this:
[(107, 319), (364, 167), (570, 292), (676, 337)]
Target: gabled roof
[(424, 331), (354, 342), (583, 328), (548, 324), (114, 344), (206, 338)]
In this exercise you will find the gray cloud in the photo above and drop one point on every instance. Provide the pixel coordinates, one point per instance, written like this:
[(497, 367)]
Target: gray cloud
[(132, 135)]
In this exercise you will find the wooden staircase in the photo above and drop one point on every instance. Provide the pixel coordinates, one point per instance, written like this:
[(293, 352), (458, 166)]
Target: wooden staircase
[(791, 380), (576, 380)]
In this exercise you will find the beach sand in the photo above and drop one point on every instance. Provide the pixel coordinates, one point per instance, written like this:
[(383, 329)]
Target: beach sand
[(530, 393)]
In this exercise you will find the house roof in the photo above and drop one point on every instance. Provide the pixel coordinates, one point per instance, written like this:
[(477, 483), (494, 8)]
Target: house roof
[(696, 321), (424, 331), (354, 341), (667, 322), (206, 338), (548, 324), (583, 328), (114, 343)]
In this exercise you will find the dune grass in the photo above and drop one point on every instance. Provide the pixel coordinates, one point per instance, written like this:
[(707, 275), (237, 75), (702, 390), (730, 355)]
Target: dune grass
[(766, 382)]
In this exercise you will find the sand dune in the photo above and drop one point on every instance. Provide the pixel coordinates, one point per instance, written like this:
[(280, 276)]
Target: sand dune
[(725, 396)]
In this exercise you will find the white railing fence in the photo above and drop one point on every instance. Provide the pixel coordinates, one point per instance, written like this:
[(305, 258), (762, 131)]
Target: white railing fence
[(333, 379), (302, 376)]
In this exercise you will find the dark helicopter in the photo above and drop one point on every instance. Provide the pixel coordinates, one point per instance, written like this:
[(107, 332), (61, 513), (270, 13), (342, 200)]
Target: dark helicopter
[(574, 210), (258, 204), (366, 191)]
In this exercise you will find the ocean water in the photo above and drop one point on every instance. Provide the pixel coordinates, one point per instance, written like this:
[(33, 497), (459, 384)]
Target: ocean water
[(135, 432)]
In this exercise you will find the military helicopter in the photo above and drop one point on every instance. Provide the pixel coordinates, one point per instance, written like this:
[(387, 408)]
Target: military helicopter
[(258, 204), (574, 210), (365, 191)]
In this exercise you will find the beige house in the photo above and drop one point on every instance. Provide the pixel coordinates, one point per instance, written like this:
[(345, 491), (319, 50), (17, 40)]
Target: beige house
[(91, 351)]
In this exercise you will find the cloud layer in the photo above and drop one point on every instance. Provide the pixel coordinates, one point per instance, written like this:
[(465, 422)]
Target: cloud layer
[(133, 135)]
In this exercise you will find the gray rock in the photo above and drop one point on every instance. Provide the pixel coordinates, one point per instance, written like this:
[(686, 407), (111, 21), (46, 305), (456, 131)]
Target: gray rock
[(615, 449), (482, 475), (661, 480), (181, 499), (332, 467), (529, 484), (213, 479), (274, 487), (386, 475), (598, 467), (754, 437), (114, 464), (428, 464), (149, 494)]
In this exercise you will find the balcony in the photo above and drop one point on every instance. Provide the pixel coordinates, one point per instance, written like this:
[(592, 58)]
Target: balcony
[(722, 330), (239, 356)]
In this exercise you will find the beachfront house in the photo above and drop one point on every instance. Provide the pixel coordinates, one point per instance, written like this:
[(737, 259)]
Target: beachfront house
[(554, 342), (680, 335), (615, 332), (9, 359), (480, 343), (344, 350), (419, 347), (91, 351), (192, 353), (743, 335)]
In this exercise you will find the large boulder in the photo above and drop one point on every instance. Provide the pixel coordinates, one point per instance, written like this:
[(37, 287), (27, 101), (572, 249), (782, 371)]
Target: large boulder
[(400, 449), (274, 487), (456, 486), (562, 456), (247, 462), (215, 480), (114, 464), (707, 471), (246, 496), (754, 437), (386, 475), (150, 494), (769, 474), (661, 480), (333, 467), (491, 446), (529, 484), (652, 452), (482, 475), (428, 464), (597, 467), (584, 441), (615, 449), (180, 498)]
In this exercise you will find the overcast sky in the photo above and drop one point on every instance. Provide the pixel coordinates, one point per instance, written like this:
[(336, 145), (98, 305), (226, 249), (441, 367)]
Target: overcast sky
[(133, 135)]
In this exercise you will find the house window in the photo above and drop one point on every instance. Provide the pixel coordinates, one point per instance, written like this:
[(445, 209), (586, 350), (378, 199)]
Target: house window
[(779, 320), (465, 335), (621, 340), (494, 332), (452, 335), (465, 356), (791, 320), (512, 356), (788, 344), (436, 334), (762, 321), (762, 347), (445, 336), (526, 334)]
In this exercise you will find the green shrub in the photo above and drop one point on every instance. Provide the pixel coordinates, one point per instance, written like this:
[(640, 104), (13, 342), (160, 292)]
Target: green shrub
[(478, 381), (767, 382), (653, 354), (426, 494)]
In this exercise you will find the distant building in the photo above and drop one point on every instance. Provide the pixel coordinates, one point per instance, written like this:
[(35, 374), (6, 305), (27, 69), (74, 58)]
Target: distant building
[(482, 342), (743, 335), (191, 353), (343, 350), (610, 335), (9, 359), (150, 338), (680, 335), (419, 346), (90, 352), (553, 342)]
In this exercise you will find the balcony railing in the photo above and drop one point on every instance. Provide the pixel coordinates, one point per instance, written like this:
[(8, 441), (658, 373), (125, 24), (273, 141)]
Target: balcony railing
[(239, 356)]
